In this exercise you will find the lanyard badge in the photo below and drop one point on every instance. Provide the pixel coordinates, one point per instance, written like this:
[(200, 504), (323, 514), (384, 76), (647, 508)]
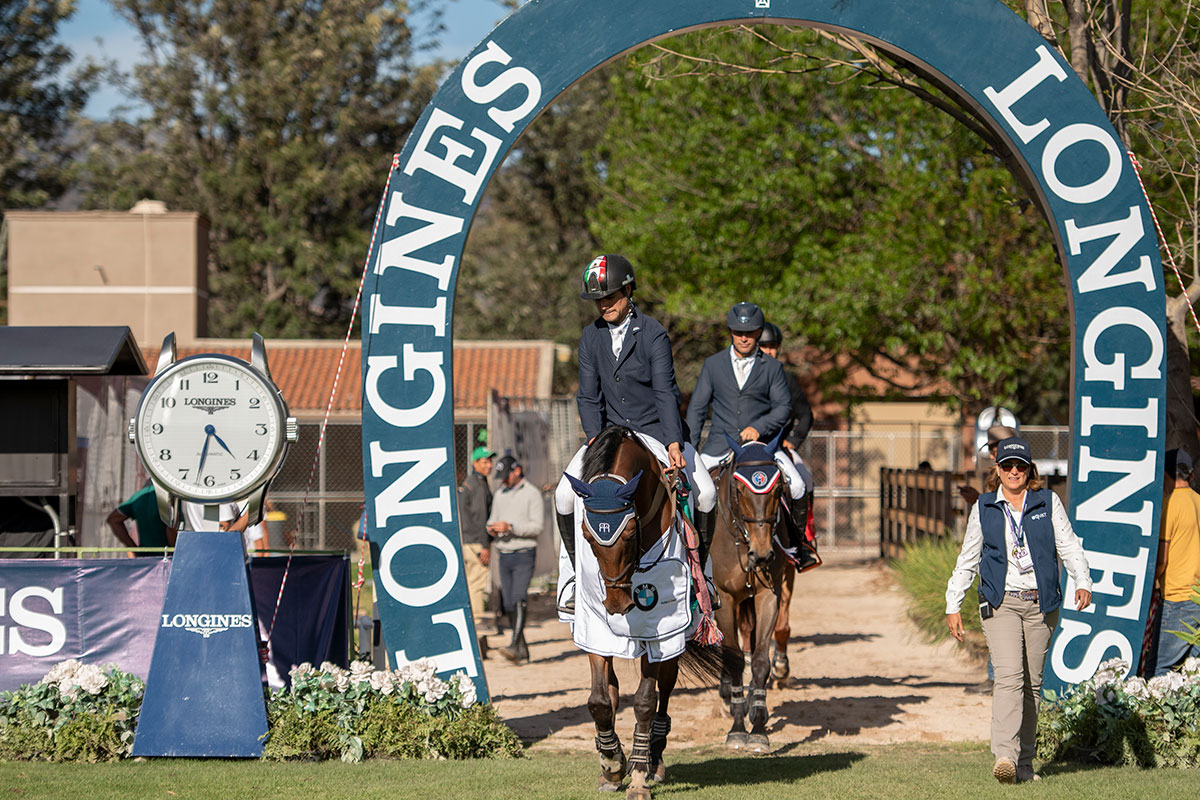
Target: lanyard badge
[(1020, 550)]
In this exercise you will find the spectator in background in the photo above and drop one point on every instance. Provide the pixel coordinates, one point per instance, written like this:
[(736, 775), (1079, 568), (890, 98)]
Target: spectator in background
[(474, 507), (995, 434), (142, 508), (1178, 567), (227, 517), (515, 523)]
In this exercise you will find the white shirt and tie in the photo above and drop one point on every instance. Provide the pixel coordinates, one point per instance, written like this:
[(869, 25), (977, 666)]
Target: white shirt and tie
[(741, 366), (618, 332)]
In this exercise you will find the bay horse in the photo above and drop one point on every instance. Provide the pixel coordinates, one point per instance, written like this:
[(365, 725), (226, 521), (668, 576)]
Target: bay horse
[(628, 510), (748, 574)]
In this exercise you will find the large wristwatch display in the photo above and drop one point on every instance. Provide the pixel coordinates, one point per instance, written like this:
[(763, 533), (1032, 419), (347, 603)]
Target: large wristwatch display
[(211, 428)]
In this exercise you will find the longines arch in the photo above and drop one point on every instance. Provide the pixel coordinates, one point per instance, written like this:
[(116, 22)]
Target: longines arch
[(977, 51)]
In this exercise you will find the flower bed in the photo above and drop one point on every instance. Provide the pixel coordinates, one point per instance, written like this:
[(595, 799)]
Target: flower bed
[(362, 713), (82, 712), (1111, 720)]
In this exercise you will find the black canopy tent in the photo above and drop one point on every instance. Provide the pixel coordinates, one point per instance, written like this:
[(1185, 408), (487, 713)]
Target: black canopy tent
[(38, 459)]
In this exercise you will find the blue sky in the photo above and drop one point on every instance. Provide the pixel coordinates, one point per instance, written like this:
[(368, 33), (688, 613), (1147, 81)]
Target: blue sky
[(466, 21)]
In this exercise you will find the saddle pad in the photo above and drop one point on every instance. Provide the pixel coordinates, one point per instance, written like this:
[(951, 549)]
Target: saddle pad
[(661, 603)]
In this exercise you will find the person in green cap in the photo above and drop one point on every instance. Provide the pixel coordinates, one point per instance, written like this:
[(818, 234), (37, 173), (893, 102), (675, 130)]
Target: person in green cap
[(474, 507)]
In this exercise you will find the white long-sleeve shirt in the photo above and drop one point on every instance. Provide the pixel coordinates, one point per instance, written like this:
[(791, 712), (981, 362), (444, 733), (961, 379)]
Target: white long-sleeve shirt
[(1066, 543)]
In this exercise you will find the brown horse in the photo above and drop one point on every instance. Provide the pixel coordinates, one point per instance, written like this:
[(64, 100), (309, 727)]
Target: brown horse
[(628, 507), (748, 573)]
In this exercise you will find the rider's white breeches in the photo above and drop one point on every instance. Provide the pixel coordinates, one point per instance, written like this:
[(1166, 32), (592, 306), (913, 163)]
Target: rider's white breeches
[(701, 482), (796, 484)]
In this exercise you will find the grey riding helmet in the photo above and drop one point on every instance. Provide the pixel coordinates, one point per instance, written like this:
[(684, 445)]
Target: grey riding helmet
[(745, 317), (771, 335), (607, 275)]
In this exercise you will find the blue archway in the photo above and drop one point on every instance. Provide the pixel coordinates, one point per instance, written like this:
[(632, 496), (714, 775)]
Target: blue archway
[(976, 50)]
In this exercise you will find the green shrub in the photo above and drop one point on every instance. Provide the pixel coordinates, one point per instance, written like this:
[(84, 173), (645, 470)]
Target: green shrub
[(78, 712), (922, 572), (1134, 722), (83, 713), (364, 713)]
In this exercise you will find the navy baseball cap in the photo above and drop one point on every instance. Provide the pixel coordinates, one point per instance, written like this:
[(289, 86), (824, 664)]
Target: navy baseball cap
[(505, 466), (1014, 447), (1178, 461)]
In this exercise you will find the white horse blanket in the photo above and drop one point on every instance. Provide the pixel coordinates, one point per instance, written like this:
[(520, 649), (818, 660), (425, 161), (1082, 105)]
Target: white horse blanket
[(663, 616)]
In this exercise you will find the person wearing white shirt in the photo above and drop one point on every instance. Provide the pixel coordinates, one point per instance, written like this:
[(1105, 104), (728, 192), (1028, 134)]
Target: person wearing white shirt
[(1014, 540)]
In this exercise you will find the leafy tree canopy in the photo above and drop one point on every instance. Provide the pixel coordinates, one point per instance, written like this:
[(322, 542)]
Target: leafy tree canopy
[(276, 119), (864, 221)]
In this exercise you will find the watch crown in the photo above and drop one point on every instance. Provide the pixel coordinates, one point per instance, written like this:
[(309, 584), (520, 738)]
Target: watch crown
[(132, 431), (292, 429)]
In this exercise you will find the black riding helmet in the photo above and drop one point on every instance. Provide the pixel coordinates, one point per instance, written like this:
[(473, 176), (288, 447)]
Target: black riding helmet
[(745, 317), (771, 335), (607, 275)]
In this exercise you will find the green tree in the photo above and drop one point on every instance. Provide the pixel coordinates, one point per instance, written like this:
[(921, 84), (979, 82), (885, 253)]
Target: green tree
[(276, 119), (39, 100), (755, 163)]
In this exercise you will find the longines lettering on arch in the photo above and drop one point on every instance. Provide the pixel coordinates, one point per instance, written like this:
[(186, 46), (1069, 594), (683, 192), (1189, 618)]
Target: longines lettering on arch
[(978, 51)]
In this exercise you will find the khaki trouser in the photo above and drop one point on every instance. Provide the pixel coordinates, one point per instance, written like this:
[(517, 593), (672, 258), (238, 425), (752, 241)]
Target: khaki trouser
[(477, 575), (1018, 636)]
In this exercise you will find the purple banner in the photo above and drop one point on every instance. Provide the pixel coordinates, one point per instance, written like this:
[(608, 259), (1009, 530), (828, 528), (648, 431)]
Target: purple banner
[(100, 611)]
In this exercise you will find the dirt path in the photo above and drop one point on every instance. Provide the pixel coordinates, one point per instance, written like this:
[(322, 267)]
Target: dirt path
[(860, 674)]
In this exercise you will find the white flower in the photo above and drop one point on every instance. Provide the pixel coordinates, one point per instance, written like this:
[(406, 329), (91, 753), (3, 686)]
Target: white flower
[(342, 681), (360, 671), (1110, 672), (62, 671), (382, 682), (1104, 694), (433, 688), (1136, 687), (301, 670), (91, 679), (330, 667), (1168, 683), (466, 688)]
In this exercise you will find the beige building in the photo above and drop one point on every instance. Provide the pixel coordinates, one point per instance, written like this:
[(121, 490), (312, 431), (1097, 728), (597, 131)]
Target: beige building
[(146, 268)]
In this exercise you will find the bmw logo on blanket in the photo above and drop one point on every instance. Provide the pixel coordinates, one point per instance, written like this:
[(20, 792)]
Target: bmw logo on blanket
[(645, 596)]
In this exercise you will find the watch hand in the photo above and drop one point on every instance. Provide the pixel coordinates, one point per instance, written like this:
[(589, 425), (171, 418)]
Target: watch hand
[(203, 455), (224, 446)]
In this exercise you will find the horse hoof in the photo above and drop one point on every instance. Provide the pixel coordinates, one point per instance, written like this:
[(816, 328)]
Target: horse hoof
[(637, 793), (608, 786), (758, 743), (736, 740), (658, 774), (780, 668)]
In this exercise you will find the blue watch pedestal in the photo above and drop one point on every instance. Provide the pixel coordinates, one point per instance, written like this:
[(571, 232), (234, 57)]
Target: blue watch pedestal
[(204, 693)]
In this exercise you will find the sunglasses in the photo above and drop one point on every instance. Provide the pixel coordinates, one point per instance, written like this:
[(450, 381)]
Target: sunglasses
[(1010, 465)]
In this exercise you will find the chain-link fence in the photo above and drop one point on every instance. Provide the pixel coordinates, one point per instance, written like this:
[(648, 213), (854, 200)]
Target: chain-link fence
[(544, 434), (845, 467)]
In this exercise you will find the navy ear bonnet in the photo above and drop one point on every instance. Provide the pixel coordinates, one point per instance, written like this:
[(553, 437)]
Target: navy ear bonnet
[(607, 505), (754, 466)]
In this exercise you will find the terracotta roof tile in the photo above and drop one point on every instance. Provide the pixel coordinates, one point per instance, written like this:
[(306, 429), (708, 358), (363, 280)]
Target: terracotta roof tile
[(305, 371)]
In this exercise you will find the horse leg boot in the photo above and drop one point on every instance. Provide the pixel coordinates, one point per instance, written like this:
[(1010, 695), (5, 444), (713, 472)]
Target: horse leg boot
[(660, 729), (517, 651), (566, 532)]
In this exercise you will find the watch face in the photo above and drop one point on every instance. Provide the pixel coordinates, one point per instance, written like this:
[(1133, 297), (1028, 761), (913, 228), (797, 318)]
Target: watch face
[(210, 428)]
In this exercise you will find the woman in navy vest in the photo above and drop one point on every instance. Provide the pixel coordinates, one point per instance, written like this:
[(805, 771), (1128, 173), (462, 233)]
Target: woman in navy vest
[(1015, 538)]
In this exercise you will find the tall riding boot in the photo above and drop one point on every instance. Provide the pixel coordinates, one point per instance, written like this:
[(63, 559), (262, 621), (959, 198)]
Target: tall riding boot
[(804, 552), (566, 532), (706, 523), (517, 651)]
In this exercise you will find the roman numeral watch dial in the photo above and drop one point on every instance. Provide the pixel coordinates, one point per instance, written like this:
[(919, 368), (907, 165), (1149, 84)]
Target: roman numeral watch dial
[(211, 428)]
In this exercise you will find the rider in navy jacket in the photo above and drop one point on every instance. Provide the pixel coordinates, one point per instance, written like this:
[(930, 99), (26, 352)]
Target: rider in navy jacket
[(637, 389), (627, 377)]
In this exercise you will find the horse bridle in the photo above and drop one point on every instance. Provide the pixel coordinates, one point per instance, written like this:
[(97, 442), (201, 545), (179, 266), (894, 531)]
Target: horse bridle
[(625, 579), (737, 523)]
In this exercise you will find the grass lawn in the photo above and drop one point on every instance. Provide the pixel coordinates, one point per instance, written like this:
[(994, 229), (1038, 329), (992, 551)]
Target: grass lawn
[(812, 771)]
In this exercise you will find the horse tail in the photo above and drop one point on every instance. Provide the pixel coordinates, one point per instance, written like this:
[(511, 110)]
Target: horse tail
[(603, 451), (702, 662)]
